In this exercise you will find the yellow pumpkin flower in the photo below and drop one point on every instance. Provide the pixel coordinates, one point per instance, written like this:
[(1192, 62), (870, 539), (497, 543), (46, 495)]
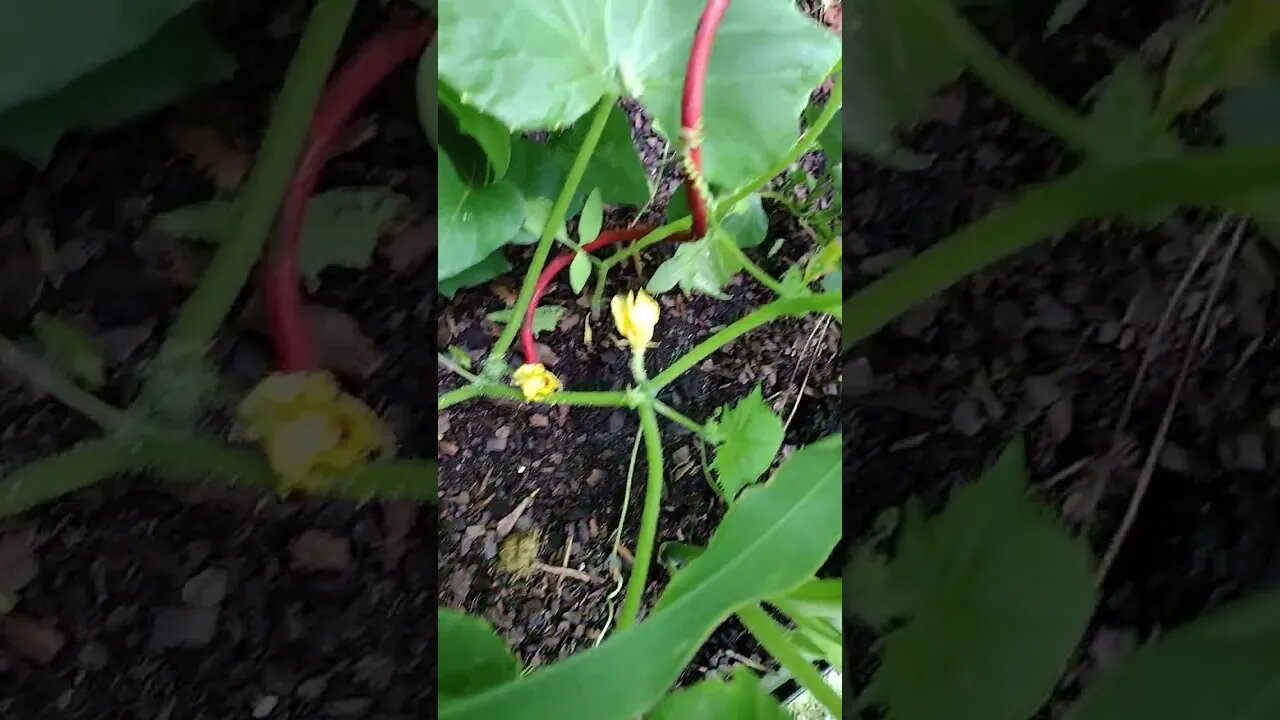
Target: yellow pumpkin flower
[(635, 315), (310, 429), (535, 381)]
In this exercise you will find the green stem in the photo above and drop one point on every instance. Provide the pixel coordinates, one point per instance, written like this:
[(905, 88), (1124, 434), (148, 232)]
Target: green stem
[(806, 141), (260, 199), (448, 363), (752, 269), (658, 235), (48, 380), (187, 458), (1224, 180), (648, 519), (565, 397), (495, 364), (774, 639), (1007, 78), (679, 418), (826, 302)]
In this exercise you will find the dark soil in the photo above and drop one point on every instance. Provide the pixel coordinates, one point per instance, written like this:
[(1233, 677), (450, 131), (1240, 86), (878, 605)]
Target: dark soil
[(139, 600), (1048, 344)]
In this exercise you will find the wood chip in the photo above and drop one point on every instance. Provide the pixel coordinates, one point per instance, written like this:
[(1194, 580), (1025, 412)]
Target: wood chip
[(508, 523)]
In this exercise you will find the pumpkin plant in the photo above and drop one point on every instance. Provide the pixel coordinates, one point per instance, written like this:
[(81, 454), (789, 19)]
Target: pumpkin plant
[(727, 85)]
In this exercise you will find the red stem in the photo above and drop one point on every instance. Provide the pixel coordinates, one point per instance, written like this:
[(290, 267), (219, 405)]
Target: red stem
[(695, 79), (364, 72)]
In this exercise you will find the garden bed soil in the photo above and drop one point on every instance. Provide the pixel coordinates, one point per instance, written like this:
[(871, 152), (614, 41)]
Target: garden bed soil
[(1048, 345), (140, 600)]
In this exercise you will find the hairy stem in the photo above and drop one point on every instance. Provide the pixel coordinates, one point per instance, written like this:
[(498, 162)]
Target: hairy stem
[(752, 269), (361, 75), (208, 306), (827, 302), (1222, 179), (648, 518), (679, 418), (1007, 78), (46, 379), (495, 364)]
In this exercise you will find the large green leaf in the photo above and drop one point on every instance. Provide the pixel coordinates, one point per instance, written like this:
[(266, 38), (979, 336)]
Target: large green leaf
[(342, 226), (752, 435), (771, 541), (47, 44), (1225, 666), (180, 58), (478, 274), (540, 169), (474, 222), (472, 658), (487, 131), (741, 698), (536, 65), (896, 60), (995, 595)]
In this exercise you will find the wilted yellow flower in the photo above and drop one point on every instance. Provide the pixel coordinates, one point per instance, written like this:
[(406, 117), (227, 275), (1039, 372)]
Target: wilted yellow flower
[(310, 429), (535, 381), (635, 315)]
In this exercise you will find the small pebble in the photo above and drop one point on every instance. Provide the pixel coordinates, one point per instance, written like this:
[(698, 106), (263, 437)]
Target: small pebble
[(265, 706)]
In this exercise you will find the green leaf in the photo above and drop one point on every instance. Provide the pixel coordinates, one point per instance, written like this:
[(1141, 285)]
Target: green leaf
[(702, 266), (342, 227), (474, 222), (544, 318), (428, 94), (472, 658), (752, 435), (591, 219), (535, 66), (741, 698), (180, 58), (758, 508), (487, 131), (46, 45), (1219, 52), (1223, 666), (579, 271), (71, 349), (746, 222), (770, 542), (895, 63), (1125, 128), (995, 595), (478, 274), (615, 168)]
